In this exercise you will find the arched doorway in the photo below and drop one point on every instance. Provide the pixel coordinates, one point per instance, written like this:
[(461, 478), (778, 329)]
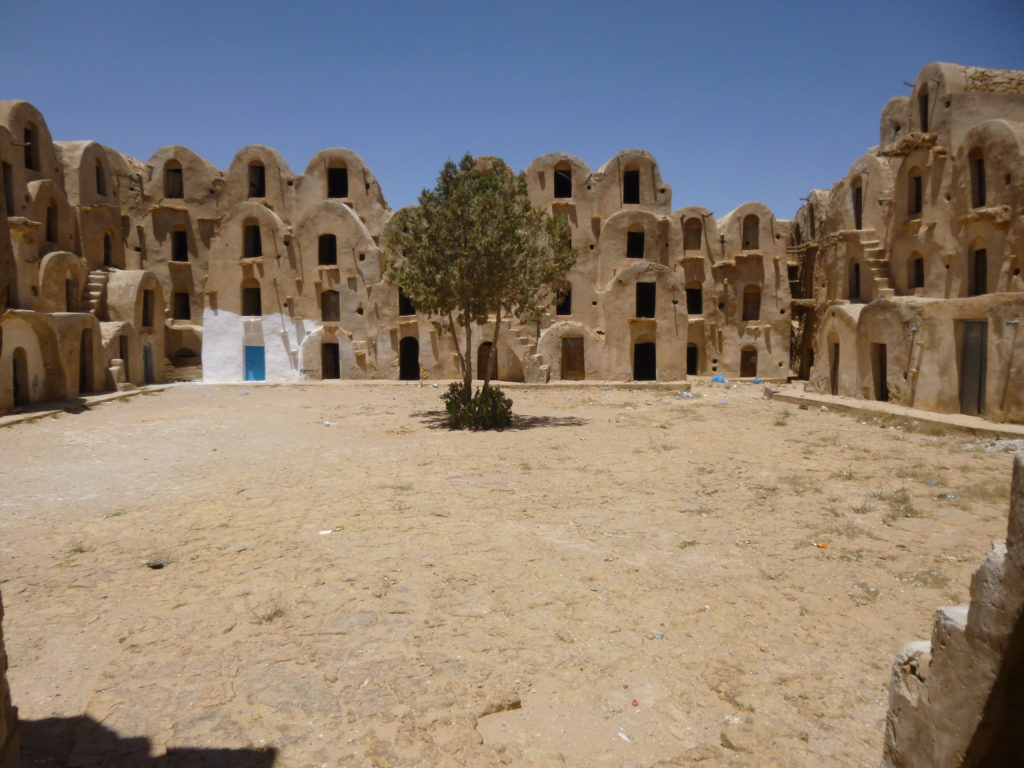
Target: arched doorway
[(409, 359), (85, 368), (483, 358), (645, 361), (19, 372), (748, 362)]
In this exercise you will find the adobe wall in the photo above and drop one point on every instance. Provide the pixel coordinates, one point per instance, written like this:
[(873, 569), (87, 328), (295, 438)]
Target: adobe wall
[(8, 713), (955, 702)]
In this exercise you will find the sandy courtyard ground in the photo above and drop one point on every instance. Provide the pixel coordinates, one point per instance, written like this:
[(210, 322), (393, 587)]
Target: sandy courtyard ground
[(629, 578)]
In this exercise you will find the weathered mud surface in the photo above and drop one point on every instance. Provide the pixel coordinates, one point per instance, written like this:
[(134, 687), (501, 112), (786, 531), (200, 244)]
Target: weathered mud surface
[(628, 578)]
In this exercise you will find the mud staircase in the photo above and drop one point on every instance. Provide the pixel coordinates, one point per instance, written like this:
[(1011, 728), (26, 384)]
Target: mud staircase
[(877, 262), (94, 294), (527, 351)]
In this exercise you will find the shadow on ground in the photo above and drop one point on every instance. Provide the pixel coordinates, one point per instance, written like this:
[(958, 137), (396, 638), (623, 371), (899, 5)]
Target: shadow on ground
[(439, 420), (61, 741)]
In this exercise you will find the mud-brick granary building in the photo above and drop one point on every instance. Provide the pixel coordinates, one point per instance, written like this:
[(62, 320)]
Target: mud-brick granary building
[(901, 283)]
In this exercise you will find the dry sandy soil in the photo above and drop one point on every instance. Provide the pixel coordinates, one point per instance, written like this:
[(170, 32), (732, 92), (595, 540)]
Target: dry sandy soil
[(627, 578)]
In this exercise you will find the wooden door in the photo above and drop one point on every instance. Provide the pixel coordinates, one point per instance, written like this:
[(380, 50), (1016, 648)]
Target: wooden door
[(573, 368), (973, 359), (834, 368), (483, 358), (748, 363)]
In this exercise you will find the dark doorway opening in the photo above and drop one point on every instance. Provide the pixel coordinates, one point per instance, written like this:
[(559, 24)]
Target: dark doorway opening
[(695, 301), (253, 242), (978, 282), (858, 207), (917, 278), (330, 367), (692, 230), (19, 370), (252, 301), (409, 359), (880, 371), (748, 362), (51, 223), (977, 162), (483, 359), (405, 305), (179, 245), (85, 373), (327, 250), (182, 306), (645, 361), (108, 257), (854, 281), (645, 299), (634, 245), (174, 180), (973, 361), (8, 188), (564, 306), (751, 232), (573, 366), (631, 187), (148, 376), (257, 180), (563, 182), (69, 295), (337, 182), (692, 360)]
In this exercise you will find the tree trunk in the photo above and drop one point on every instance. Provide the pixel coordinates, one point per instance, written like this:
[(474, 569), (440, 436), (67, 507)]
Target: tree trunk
[(467, 371), (492, 359), (465, 366)]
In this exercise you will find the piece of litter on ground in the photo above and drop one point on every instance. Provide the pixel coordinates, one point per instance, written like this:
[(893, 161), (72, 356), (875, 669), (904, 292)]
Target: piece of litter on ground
[(946, 496), (330, 424), (824, 407), (624, 737)]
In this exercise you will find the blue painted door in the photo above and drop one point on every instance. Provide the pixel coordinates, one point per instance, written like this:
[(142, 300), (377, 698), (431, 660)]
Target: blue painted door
[(255, 364)]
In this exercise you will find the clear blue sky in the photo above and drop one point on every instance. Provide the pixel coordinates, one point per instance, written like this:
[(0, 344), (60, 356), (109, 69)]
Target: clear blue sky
[(736, 100)]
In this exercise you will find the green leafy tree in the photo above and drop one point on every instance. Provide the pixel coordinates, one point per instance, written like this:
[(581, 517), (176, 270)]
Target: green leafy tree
[(475, 248)]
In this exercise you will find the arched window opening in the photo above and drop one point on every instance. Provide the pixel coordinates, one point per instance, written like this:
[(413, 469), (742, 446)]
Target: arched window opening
[(922, 108), (858, 205), (978, 278), (253, 241), (854, 287), (182, 306), (179, 245), (748, 362), (31, 148), (147, 309), (337, 181), (564, 305), (563, 180), (327, 250), (174, 180), (977, 164), (915, 194), (833, 367), (257, 180), (631, 187), (751, 232), (101, 179), (646, 299), (51, 223), (635, 243), (751, 303), (694, 299), (252, 298), (409, 359), (330, 306), (693, 228), (108, 256)]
